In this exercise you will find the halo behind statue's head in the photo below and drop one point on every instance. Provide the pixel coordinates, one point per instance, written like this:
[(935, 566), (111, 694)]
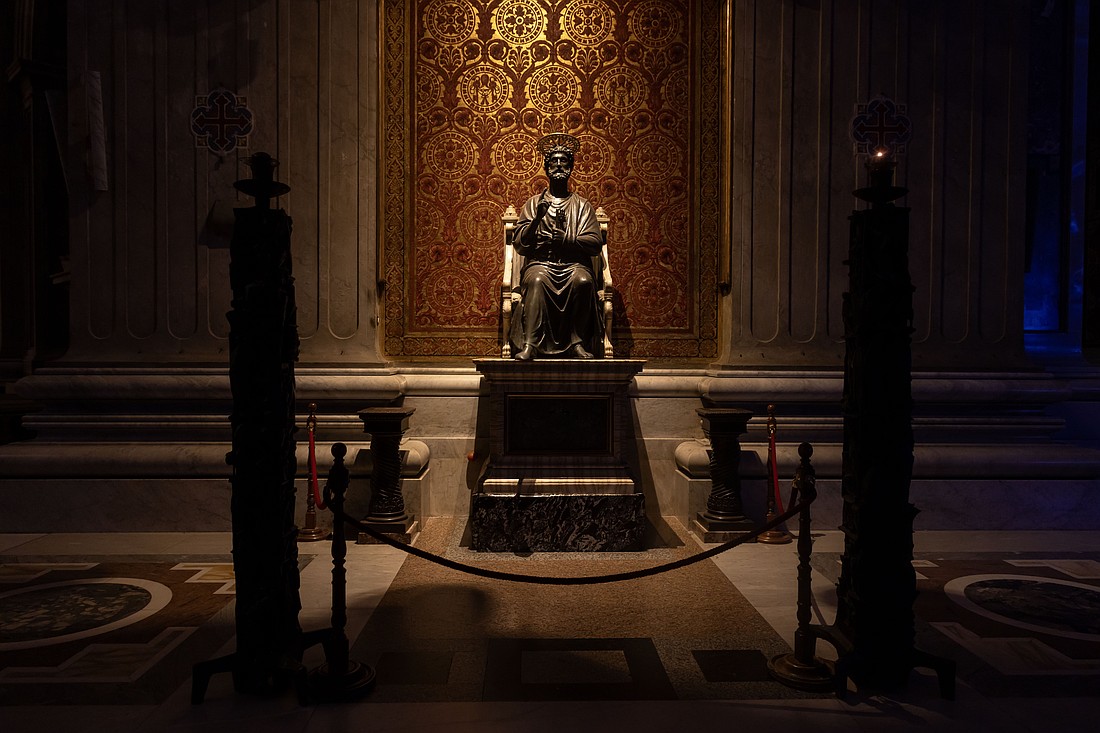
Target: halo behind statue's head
[(558, 142)]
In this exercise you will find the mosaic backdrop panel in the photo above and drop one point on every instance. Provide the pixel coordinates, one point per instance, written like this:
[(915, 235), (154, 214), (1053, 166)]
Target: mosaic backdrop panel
[(469, 86)]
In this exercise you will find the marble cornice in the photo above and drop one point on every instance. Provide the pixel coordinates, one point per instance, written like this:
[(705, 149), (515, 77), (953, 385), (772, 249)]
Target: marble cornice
[(349, 384), (930, 460)]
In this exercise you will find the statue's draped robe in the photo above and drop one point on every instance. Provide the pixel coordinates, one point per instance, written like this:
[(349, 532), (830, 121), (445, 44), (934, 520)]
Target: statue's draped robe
[(558, 305)]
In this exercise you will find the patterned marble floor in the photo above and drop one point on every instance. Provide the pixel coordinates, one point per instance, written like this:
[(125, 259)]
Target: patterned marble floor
[(99, 633)]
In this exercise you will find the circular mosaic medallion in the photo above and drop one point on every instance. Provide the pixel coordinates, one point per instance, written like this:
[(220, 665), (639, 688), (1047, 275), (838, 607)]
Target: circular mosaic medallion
[(1047, 605), (516, 156), (627, 225), (480, 222), (52, 613), (429, 222), (450, 155), (654, 293), (594, 160), (553, 89), (451, 21), (675, 90), (429, 90), (675, 224), (519, 21), (484, 88), (588, 22), (449, 291), (655, 157), (621, 89), (655, 23)]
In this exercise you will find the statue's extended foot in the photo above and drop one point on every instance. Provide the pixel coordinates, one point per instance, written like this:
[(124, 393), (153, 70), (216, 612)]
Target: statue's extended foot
[(527, 354), (579, 352)]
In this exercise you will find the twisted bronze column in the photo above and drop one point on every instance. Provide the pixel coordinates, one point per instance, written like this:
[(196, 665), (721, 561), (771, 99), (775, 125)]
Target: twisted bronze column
[(386, 511), (724, 517)]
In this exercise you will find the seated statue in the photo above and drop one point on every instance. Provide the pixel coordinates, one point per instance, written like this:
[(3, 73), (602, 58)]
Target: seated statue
[(559, 313)]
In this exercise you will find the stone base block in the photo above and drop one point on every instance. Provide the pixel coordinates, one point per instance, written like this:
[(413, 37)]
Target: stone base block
[(401, 531), (711, 530), (557, 523)]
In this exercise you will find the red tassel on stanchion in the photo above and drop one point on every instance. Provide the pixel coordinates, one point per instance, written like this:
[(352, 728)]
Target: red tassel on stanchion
[(776, 536), (311, 532)]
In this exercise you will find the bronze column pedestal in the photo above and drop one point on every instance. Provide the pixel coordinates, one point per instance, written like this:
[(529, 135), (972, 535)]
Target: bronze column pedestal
[(724, 517), (386, 510)]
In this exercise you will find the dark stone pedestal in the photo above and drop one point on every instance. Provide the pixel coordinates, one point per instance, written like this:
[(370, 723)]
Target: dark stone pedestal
[(578, 523), (560, 474)]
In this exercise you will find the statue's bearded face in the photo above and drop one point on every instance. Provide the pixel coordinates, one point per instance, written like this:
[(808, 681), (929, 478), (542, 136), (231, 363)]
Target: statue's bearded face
[(559, 166)]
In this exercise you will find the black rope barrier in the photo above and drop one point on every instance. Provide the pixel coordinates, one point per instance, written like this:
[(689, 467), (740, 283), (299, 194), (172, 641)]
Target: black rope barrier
[(792, 511)]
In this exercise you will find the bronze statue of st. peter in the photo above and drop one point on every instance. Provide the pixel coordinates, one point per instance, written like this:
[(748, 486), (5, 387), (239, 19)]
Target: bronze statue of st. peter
[(559, 314)]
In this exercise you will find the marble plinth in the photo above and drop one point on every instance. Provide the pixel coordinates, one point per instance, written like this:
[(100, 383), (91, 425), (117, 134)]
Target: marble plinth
[(721, 530), (562, 470), (548, 523), (404, 531), (559, 426)]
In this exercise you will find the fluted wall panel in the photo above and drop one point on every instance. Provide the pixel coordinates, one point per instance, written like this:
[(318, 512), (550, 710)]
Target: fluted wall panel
[(800, 67), (150, 257)]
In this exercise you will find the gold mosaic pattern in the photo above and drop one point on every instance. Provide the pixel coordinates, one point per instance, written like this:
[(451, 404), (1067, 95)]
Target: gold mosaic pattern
[(469, 86)]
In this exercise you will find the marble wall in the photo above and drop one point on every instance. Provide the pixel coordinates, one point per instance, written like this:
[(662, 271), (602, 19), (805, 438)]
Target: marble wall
[(798, 68), (149, 267), (149, 253), (133, 428)]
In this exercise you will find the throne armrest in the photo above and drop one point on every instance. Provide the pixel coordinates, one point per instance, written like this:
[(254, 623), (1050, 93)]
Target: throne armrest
[(507, 295), (607, 287)]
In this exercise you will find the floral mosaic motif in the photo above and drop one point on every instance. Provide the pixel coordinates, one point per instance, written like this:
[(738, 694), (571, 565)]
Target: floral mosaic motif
[(515, 157), (596, 160), (553, 88), (449, 155), (221, 121), (655, 157), (519, 21), (588, 22), (614, 73), (450, 21), (655, 22), (450, 292)]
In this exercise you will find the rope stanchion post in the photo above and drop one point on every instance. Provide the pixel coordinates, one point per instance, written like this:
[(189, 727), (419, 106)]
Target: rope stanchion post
[(780, 535), (803, 669), (386, 511), (340, 678), (311, 532)]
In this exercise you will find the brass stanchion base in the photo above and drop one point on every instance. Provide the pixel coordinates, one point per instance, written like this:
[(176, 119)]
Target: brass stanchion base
[(328, 686), (774, 536), (817, 676), (312, 534)]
